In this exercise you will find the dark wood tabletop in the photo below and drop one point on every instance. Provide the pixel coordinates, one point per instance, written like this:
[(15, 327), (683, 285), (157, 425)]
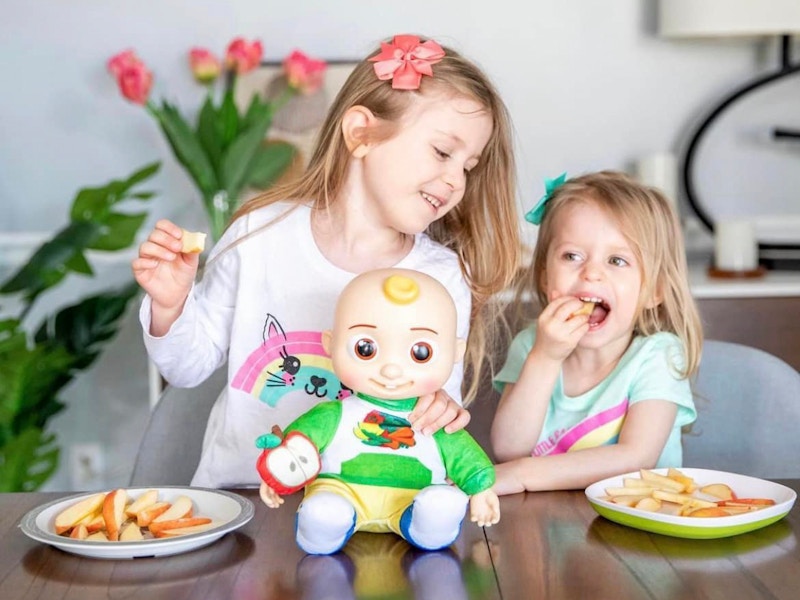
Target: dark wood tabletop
[(547, 545)]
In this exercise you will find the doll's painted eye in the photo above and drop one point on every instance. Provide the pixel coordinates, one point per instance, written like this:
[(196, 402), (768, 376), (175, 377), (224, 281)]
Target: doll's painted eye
[(365, 348), (421, 352)]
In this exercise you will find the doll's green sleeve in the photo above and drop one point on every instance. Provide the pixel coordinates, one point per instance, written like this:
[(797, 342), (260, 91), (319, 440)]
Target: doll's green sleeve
[(466, 463), (319, 423)]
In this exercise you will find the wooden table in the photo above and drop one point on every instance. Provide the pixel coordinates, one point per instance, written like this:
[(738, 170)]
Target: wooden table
[(547, 545)]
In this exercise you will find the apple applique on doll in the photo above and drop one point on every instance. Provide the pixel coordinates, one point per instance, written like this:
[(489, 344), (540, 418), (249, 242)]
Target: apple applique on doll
[(287, 463)]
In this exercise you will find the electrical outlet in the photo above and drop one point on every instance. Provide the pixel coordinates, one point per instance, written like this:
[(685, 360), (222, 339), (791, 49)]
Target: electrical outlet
[(87, 467)]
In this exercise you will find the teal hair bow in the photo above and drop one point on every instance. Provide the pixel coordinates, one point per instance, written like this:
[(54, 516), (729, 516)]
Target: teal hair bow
[(536, 214)]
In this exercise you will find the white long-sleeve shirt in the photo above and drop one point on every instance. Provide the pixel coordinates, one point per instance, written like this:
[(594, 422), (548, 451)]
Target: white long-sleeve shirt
[(263, 304)]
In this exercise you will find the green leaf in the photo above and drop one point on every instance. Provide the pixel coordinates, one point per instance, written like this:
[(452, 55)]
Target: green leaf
[(236, 161), (209, 133), (228, 119), (269, 163), (81, 327), (27, 461), (119, 231), (92, 204), (52, 260), (256, 110), (187, 148)]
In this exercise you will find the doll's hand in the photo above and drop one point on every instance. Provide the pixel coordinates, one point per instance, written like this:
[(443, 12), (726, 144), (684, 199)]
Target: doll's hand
[(434, 411), (162, 270), (484, 508), (269, 496), (559, 329)]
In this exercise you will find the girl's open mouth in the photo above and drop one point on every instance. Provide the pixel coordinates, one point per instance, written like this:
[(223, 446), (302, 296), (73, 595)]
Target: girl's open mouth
[(599, 312)]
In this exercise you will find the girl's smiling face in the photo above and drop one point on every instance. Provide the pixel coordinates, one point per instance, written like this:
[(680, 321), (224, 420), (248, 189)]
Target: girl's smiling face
[(420, 174), (591, 259)]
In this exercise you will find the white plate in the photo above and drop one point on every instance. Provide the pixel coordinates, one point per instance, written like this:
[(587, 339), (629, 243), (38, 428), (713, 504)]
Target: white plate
[(698, 527), (231, 509)]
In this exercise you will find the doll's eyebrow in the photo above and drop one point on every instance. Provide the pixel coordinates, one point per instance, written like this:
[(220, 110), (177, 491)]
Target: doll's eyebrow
[(433, 331), (357, 325)]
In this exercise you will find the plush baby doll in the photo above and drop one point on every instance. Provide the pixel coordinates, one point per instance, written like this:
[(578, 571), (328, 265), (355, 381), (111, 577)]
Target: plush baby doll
[(393, 339)]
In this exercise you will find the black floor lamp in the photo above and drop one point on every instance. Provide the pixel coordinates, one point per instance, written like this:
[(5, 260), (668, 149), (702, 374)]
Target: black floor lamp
[(735, 18)]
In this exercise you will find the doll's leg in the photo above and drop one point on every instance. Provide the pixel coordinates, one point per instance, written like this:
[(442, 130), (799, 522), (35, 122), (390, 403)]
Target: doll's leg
[(433, 520), (325, 521)]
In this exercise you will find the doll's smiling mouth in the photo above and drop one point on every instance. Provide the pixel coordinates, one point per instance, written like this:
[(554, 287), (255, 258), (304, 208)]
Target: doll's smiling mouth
[(391, 387)]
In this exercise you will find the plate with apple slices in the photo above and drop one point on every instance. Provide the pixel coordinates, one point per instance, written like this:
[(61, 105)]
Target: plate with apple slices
[(698, 504), (137, 522)]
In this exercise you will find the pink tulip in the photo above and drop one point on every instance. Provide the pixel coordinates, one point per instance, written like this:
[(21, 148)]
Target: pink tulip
[(133, 77), (121, 61), (243, 56), (205, 66), (305, 74)]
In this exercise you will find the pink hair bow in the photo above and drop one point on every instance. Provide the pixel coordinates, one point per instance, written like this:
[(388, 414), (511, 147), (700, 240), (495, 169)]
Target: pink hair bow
[(405, 60)]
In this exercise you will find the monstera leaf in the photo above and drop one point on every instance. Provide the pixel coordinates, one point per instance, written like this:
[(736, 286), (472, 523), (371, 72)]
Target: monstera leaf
[(34, 368)]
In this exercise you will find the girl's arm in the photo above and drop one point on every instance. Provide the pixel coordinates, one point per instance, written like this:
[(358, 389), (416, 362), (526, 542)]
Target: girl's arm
[(523, 406), (647, 427)]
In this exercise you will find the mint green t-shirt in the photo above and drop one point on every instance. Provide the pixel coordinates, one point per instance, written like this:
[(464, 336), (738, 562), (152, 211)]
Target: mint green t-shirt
[(645, 372)]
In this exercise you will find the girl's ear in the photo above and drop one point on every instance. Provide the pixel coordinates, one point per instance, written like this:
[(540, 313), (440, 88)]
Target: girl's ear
[(355, 122), (656, 298)]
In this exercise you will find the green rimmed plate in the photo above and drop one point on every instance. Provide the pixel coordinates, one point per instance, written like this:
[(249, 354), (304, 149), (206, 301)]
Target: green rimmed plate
[(698, 527)]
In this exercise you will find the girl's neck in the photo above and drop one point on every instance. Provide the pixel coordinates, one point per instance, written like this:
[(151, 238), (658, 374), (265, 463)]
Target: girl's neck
[(585, 368), (350, 240)]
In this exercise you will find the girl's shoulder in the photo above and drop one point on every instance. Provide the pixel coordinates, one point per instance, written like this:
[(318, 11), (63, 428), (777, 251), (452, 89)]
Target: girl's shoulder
[(294, 213), (655, 348)]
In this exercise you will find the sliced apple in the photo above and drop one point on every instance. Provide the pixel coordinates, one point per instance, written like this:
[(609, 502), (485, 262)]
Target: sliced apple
[(649, 504), (719, 490), (157, 526), (629, 491), (130, 532), (688, 483), (192, 241), (709, 511), (96, 523), (182, 507), (747, 502), (145, 516), (187, 530), (97, 536), (73, 514), (661, 480), (149, 498), (114, 512), (682, 499), (79, 532), (627, 500)]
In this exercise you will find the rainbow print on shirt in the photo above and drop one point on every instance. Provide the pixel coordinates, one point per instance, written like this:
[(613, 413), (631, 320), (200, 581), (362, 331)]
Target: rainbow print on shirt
[(600, 429), (288, 362)]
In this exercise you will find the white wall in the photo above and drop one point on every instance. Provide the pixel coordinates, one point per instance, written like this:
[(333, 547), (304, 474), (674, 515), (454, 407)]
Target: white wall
[(589, 85)]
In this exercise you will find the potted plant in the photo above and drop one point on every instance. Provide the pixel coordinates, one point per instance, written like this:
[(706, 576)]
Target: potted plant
[(35, 366)]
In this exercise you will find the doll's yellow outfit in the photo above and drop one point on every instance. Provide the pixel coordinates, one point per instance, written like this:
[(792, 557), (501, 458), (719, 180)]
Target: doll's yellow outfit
[(379, 475)]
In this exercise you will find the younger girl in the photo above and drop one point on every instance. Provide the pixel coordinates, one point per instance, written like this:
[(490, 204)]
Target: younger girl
[(599, 385), (413, 169)]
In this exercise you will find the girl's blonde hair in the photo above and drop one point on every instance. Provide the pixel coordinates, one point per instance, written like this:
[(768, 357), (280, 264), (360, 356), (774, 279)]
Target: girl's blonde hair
[(651, 226), (483, 229)]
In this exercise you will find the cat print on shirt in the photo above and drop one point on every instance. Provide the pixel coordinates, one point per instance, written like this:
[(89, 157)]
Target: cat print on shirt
[(286, 363)]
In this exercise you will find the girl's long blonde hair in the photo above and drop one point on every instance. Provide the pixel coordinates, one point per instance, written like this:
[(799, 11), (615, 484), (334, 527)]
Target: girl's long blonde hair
[(483, 229), (651, 226)]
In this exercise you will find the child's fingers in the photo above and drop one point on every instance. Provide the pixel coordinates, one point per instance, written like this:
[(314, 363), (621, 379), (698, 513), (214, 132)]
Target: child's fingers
[(150, 249), (169, 228), (166, 239)]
